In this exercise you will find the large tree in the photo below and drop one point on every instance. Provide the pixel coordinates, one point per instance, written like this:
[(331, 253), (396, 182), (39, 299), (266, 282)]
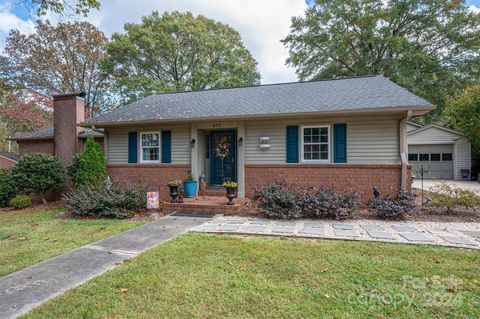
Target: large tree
[(463, 111), (22, 111), (429, 46), (58, 59), (61, 6), (178, 52)]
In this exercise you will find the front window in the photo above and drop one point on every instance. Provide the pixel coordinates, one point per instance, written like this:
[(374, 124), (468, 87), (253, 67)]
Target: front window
[(150, 147), (315, 143)]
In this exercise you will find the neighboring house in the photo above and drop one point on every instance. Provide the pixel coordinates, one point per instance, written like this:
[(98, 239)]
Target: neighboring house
[(442, 152), (350, 134), (8, 159)]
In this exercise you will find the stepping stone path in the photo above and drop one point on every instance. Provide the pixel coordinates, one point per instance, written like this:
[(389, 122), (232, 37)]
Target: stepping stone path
[(447, 234)]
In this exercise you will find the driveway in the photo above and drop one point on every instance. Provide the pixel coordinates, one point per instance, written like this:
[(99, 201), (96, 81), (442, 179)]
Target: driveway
[(428, 184)]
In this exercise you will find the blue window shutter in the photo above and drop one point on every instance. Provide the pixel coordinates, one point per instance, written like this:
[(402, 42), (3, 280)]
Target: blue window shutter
[(340, 143), (132, 147), (292, 144), (166, 146)]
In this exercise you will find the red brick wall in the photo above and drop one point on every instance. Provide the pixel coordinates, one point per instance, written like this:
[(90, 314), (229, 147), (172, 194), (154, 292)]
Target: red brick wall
[(341, 177), (5, 162), (154, 176), (35, 146)]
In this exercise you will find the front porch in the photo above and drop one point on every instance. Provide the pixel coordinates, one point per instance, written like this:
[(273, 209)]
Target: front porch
[(207, 204), (212, 168)]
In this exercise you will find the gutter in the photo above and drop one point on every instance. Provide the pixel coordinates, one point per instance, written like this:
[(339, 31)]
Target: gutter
[(404, 145), (419, 110)]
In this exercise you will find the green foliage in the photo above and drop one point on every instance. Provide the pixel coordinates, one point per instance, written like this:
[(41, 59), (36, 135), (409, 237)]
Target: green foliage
[(20, 202), (430, 47), (81, 7), (463, 111), (178, 52), (394, 207), (284, 201), (450, 197), (7, 187), (39, 173), (91, 164), (107, 200), (72, 169)]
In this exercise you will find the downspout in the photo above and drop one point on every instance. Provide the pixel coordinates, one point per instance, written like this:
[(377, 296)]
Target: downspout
[(404, 146)]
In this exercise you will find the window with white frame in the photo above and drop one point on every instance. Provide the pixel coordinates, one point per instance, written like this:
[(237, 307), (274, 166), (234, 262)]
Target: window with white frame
[(150, 147), (315, 143)]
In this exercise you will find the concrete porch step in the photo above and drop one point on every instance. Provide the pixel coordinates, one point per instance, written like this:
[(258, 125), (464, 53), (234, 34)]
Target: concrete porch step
[(206, 204)]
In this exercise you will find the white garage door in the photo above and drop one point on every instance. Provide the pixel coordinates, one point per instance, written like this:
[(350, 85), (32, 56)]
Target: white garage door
[(437, 160)]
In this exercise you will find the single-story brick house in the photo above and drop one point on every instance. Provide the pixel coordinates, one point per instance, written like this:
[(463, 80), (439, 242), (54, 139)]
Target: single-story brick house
[(8, 159), (346, 133), (442, 152)]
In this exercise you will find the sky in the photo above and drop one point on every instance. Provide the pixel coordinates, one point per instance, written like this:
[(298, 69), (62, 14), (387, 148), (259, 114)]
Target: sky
[(261, 23)]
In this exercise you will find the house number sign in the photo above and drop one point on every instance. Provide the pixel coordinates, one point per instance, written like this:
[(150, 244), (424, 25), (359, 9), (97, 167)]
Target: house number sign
[(216, 125)]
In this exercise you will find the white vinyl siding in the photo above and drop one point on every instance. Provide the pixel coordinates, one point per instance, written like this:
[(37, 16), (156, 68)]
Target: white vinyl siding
[(372, 139), (117, 143), (432, 135), (463, 156)]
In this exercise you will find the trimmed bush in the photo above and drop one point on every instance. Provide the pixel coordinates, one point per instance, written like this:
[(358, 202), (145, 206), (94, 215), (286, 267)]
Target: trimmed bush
[(72, 169), (323, 202), (91, 165), (38, 173), (279, 200), (449, 197), (20, 202), (394, 207), (7, 187), (283, 201), (112, 200)]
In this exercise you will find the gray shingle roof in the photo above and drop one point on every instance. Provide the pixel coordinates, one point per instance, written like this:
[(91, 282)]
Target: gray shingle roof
[(47, 133), (358, 93)]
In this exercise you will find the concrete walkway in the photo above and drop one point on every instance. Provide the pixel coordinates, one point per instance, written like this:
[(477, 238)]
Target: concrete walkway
[(465, 235), (23, 290)]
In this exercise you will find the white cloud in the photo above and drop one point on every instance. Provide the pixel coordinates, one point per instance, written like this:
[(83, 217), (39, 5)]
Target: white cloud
[(9, 21), (261, 23), (474, 8)]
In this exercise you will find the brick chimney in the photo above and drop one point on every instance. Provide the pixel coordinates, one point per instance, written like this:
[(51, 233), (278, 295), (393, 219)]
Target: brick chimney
[(68, 111)]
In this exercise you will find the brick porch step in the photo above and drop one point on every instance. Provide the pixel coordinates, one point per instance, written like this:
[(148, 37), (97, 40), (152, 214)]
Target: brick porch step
[(206, 204), (213, 191)]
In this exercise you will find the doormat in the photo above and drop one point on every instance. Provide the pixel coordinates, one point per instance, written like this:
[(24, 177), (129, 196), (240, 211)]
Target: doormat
[(193, 214)]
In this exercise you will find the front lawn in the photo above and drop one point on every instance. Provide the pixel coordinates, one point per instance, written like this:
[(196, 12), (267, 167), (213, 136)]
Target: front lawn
[(213, 276), (32, 235)]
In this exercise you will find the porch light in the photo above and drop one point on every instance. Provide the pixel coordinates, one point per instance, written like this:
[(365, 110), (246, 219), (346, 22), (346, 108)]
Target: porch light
[(240, 141), (265, 142), (192, 142)]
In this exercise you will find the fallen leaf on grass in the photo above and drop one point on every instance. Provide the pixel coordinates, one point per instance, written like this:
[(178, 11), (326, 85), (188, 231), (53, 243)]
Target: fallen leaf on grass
[(122, 290), (119, 263), (22, 238), (325, 269), (230, 263)]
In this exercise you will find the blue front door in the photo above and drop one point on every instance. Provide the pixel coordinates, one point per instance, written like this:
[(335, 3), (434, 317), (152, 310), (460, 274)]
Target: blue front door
[(222, 157)]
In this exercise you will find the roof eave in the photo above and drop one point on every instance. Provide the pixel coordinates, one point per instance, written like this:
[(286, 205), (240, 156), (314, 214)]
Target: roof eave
[(417, 110)]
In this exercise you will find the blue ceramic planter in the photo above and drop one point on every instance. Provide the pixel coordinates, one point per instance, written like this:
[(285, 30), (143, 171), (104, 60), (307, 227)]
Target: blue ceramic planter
[(190, 188)]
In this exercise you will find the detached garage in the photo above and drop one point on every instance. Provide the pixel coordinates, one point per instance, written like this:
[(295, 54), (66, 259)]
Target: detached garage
[(443, 153)]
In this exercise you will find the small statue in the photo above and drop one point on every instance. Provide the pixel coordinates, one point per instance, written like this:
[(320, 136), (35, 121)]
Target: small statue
[(376, 192)]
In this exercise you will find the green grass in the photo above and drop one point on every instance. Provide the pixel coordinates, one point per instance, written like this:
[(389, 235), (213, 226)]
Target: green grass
[(30, 236), (209, 276)]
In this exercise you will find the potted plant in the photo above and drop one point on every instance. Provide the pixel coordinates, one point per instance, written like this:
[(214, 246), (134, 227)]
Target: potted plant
[(231, 191), (173, 185), (190, 186)]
